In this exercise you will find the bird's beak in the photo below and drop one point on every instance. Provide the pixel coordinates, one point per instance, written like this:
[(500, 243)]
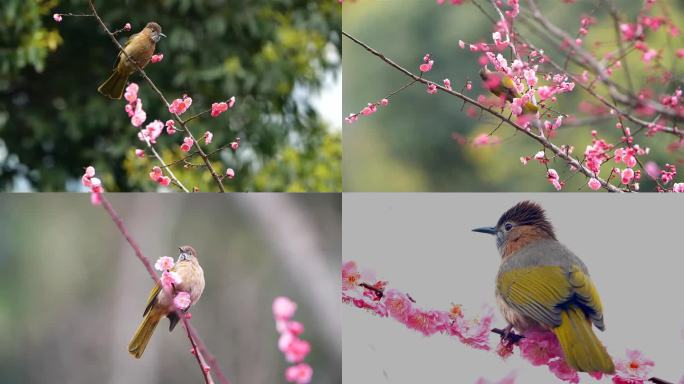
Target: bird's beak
[(161, 34), (488, 230), (180, 249)]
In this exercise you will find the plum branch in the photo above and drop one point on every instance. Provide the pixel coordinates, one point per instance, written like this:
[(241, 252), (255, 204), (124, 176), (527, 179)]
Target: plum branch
[(200, 349)]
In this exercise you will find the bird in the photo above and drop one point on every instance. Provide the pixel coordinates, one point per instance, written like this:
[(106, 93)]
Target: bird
[(160, 302), (140, 48), (503, 86), (542, 285)]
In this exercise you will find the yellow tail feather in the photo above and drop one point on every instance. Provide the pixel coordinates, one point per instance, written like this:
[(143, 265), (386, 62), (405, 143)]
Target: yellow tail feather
[(583, 350), (142, 336), (114, 86)]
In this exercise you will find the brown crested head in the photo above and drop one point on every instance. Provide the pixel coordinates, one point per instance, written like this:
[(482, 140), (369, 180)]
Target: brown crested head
[(187, 252), (154, 31), (153, 27), (527, 213)]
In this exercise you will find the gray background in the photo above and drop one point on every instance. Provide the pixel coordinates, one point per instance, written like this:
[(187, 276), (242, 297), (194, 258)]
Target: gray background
[(423, 244)]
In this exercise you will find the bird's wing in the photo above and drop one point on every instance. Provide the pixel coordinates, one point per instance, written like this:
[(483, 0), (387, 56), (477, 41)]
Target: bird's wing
[(118, 57), (541, 292), (536, 292), (587, 295), (152, 299)]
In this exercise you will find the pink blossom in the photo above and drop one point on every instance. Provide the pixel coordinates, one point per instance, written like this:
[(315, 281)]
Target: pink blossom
[(170, 127), (678, 188), (57, 17), (218, 108), (187, 144), (235, 144), (516, 106), (96, 185), (127, 27), (594, 184), (170, 278), (447, 83), (89, 171), (139, 153), (384, 102), (95, 198), (554, 179), (156, 173), (151, 131), (296, 350), (627, 175), (179, 106), (139, 116), (131, 93), (427, 63), (208, 136), (650, 55), (164, 263), (350, 275), (530, 76), (475, 331), (563, 371), (636, 367), (462, 44), (432, 88), (230, 173), (299, 374), (182, 300), (156, 58), (426, 322), (398, 305), (231, 102), (283, 308), (539, 347)]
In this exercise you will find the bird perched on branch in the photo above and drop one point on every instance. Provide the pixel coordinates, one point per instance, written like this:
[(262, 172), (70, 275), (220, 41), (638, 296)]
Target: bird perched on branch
[(140, 48), (503, 86), (160, 302), (541, 284)]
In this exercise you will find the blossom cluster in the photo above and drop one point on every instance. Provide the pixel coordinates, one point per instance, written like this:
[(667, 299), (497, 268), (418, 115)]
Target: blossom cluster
[(362, 292), (539, 347), (169, 280), (95, 184), (289, 343)]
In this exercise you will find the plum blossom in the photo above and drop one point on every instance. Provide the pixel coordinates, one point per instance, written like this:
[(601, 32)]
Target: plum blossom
[(170, 127), (90, 181), (182, 300), (139, 153), (156, 58), (187, 144), (554, 179), (127, 27), (284, 308), (57, 17), (164, 263), (299, 374), (218, 108), (539, 347), (169, 279), (179, 106), (157, 176), (230, 173), (594, 184), (293, 348), (635, 369), (350, 275), (208, 136)]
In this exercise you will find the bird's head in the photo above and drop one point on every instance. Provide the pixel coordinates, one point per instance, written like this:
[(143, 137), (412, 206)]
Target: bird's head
[(154, 30), (186, 253), (520, 225)]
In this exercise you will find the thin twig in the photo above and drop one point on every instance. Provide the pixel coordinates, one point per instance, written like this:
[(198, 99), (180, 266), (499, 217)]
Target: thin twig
[(572, 162)]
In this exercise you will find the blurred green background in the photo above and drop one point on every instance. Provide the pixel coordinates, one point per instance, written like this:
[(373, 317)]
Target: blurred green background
[(72, 291), (408, 145), (276, 56)]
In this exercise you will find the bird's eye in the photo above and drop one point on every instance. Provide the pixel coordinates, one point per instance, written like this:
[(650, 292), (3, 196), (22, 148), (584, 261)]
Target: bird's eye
[(508, 226)]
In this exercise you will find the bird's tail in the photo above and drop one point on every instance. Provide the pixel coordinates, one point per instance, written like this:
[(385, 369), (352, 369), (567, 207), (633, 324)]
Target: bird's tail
[(142, 336), (583, 350), (114, 86)]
